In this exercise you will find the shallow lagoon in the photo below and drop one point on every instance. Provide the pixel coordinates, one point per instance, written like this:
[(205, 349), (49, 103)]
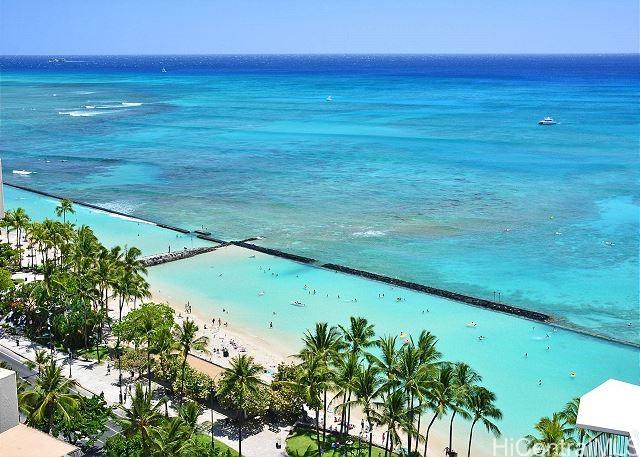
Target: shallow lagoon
[(111, 229), (230, 278)]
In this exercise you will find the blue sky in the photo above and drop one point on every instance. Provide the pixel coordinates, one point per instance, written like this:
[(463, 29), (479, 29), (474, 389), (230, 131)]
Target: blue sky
[(320, 26)]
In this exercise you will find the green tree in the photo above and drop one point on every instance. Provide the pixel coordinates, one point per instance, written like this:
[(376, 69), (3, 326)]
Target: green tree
[(142, 417), (481, 406), (187, 339), (367, 387), (554, 437), (465, 378), (50, 398), (65, 206), (89, 422), (241, 379)]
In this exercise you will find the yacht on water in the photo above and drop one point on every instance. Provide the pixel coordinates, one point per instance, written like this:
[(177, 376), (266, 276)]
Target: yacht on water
[(547, 121)]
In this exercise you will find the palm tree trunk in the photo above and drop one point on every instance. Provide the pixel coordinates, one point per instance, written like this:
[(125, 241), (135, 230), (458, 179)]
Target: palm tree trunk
[(426, 436), (370, 435), (318, 427), (240, 433), (386, 445), (453, 416), (473, 424), (324, 418), (149, 366), (409, 435), (348, 412), (418, 429), (184, 366), (343, 415)]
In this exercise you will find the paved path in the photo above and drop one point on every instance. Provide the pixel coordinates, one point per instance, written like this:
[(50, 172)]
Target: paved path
[(94, 378)]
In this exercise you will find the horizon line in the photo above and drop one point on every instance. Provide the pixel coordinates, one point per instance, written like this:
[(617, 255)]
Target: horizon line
[(635, 53)]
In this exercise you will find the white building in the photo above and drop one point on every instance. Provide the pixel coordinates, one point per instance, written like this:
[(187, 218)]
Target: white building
[(610, 413), (18, 440)]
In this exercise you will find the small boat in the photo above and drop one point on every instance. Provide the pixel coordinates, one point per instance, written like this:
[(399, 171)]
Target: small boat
[(547, 121), (329, 98), (164, 70), (22, 172), (297, 303)]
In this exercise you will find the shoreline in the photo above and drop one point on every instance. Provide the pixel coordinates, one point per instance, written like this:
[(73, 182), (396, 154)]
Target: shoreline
[(450, 295), (269, 353)]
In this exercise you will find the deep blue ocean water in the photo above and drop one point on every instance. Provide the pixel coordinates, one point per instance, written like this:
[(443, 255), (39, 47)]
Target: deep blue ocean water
[(429, 168)]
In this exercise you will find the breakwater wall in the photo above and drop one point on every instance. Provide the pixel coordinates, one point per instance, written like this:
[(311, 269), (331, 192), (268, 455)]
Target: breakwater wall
[(274, 252), (480, 302), (166, 257), (99, 208)]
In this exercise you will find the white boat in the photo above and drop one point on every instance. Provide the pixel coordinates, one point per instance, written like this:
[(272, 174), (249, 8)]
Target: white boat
[(547, 121), (22, 172), (297, 303), (164, 70), (329, 98)]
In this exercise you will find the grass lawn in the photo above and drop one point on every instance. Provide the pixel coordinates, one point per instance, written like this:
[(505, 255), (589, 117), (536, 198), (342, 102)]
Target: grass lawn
[(90, 353), (223, 448), (302, 443)]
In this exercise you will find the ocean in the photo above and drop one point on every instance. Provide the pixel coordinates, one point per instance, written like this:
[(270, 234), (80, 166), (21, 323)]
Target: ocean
[(427, 168)]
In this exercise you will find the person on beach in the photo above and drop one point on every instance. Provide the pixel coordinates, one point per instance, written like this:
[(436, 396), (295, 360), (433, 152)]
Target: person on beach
[(270, 324)]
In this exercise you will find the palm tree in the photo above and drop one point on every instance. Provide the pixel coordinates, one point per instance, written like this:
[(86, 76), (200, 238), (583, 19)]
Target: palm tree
[(554, 437), (65, 206), (171, 438), (324, 345), (359, 335), (394, 414), (142, 416), (20, 222), (442, 395), (387, 361), (346, 370), (311, 384), (570, 414), (366, 388), (464, 379), (187, 339), (482, 408), (429, 361), (241, 380), (49, 397)]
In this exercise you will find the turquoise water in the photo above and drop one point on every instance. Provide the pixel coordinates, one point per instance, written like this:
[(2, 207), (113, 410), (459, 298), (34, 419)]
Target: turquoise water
[(110, 229), (215, 281), (432, 169)]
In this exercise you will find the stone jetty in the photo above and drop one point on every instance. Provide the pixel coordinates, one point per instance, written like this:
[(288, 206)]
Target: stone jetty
[(165, 257)]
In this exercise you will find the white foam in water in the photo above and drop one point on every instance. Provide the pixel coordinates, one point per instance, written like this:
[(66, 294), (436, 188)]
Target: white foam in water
[(131, 104), (82, 113), (370, 233)]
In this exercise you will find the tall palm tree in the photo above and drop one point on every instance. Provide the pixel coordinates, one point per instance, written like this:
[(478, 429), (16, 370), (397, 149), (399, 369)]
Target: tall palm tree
[(347, 366), (20, 221), (429, 362), (323, 344), (142, 416), (442, 395), (482, 408), (171, 438), (50, 396), (570, 414), (65, 206), (394, 415), (465, 378), (366, 388), (555, 436), (187, 339), (241, 380), (359, 335), (312, 382)]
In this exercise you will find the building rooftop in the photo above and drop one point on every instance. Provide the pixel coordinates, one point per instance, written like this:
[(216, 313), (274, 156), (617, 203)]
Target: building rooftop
[(23, 441), (612, 407)]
